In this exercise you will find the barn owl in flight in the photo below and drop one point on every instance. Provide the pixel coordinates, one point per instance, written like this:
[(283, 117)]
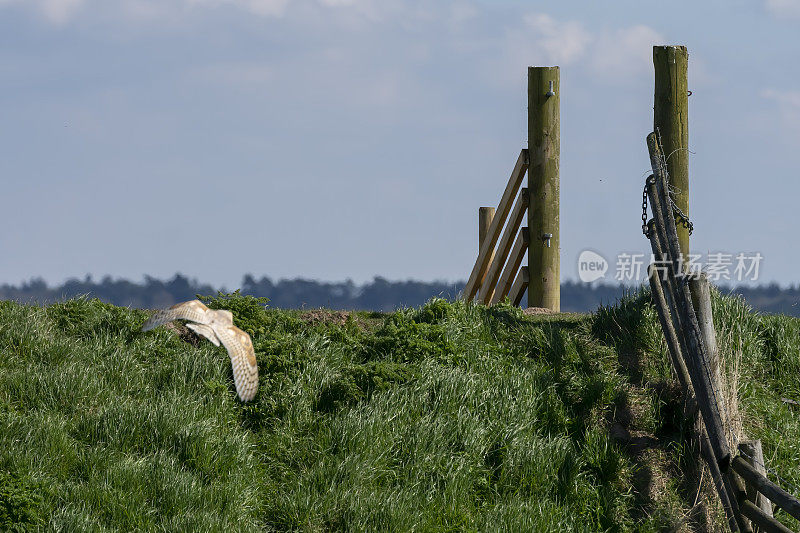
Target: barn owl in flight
[(217, 326)]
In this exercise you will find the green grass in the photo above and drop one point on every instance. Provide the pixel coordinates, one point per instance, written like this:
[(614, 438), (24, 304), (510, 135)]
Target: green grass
[(451, 417)]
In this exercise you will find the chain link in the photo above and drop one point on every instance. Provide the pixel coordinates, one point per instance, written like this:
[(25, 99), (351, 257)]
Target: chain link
[(679, 215), (645, 228)]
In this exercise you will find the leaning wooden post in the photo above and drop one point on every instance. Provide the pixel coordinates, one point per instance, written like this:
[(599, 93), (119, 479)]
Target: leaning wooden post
[(700, 290), (673, 342), (693, 336), (764, 523), (485, 216), (701, 300), (726, 492), (671, 124), (735, 488), (674, 346), (544, 148)]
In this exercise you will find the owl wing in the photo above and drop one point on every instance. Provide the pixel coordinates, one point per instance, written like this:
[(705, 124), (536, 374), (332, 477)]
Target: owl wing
[(243, 360), (204, 330), (223, 316), (193, 310)]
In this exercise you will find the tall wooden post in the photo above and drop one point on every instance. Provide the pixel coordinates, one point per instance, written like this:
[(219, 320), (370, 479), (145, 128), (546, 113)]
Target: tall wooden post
[(671, 124), (544, 150), (485, 216)]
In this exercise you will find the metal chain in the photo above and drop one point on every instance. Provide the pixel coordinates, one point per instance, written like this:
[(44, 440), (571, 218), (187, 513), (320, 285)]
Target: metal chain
[(645, 228), (682, 219), (679, 215)]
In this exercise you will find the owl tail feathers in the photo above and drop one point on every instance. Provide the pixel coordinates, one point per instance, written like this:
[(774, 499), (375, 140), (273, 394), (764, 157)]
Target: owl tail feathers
[(147, 326), (158, 318)]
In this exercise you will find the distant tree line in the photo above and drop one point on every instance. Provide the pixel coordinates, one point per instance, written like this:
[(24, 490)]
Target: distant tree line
[(379, 294)]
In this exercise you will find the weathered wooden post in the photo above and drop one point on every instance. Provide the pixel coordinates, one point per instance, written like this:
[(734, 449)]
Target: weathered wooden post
[(754, 454), (687, 318), (701, 300), (677, 349), (485, 216), (544, 149), (700, 289), (779, 496), (671, 124)]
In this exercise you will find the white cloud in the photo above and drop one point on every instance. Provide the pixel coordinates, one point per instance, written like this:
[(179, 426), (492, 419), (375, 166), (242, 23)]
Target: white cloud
[(537, 39), (612, 55), (461, 12), (264, 8), (626, 52), (56, 11), (783, 8), (337, 3), (558, 42), (62, 11), (59, 11)]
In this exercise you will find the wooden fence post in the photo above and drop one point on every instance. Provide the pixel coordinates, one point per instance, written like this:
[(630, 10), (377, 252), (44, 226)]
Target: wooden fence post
[(519, 287), (493, 233), (675, 346), (687, 318), (701, 300), (754, 454), (779, 497), (511, 269), (544, 150), (671, 124), (485, 216), (671, 336), (700, 290), (503, 248)]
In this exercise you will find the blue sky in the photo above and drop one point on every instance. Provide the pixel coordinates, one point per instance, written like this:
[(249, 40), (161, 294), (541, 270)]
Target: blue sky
[(337, 139)]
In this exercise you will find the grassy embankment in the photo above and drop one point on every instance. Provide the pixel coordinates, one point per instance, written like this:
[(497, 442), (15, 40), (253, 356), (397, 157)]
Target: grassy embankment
[(445, 418)]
